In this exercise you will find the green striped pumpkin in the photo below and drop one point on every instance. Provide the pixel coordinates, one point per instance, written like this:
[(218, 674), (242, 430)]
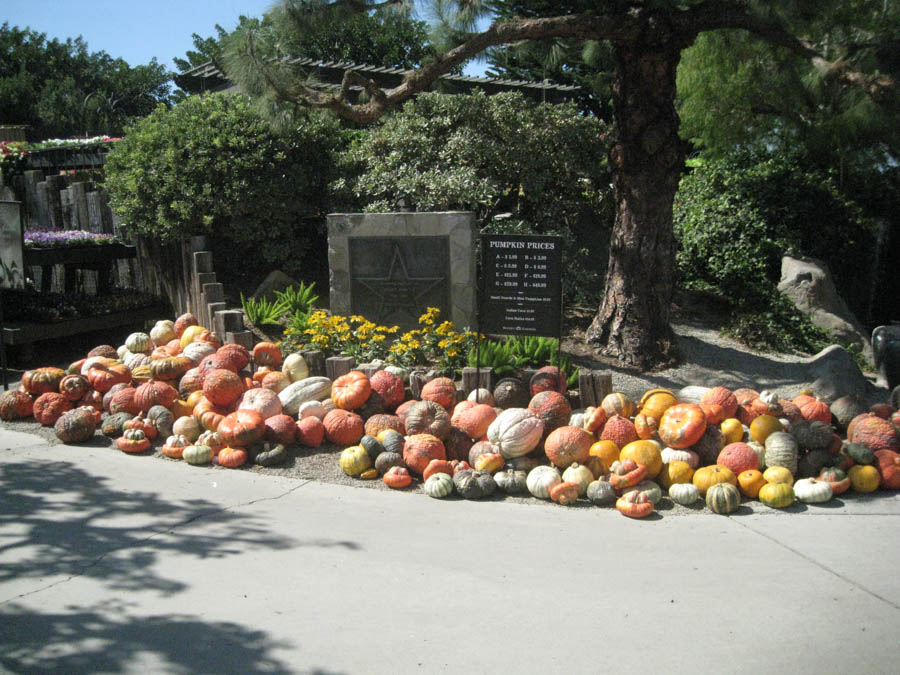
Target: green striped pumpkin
[(723, 498)]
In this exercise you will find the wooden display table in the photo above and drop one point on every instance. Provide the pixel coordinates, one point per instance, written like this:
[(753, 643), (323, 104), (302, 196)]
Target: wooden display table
[(99, 257)]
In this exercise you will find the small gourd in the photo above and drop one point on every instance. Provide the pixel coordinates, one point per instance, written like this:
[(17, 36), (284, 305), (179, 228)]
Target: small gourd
[(354, 460), (472, 484), (776, 495), (565, 493), (864, 478), (812, 491), (601, 493), (684, 493), (579, 474), (175, 445), (651, 489), (626, 474), (397, 477), (634, 504), (133, 441), (723, 498), (269, 454), (540, 479), (511, 481), (439, 485), (197, 454)]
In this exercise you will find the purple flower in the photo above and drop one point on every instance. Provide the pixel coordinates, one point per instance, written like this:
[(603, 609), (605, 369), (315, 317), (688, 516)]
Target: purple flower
[(41, 237)]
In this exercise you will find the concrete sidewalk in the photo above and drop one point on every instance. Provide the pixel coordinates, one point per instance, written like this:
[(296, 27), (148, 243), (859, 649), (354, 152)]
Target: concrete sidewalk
[(115, 563)]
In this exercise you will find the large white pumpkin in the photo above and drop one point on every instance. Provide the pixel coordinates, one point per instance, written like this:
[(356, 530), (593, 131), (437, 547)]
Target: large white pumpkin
[(541, 479), (310, 389), (516, 432)]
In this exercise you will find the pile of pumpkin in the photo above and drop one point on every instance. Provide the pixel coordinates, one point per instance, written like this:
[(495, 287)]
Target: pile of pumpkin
[(223, 404), (710, 443)]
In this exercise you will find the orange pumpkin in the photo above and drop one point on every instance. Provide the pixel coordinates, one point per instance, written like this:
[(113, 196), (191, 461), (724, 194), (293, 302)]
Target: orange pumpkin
[(646, 427), (473, 419), (183, 321), (606, 451), (682, 425), (548, 378), (351, 390), (617, 403), (568, 444), (813, 409), (378, 423), (420, 449), (242, 428), (208, 414), (267, 354), (231, 457), (343, 427), (234, 355), (442, 391), (718, 404), (42, 380), (707, 476), (222, 387), (889, 467), (750, 482), (655, 402), (646, 453), (73, 387), (565, 493), (437, 466), (103, 376), (397, 478), (389, 386), (594, 419), (634, 504), (49, 407), (154, 393), (738, 457)]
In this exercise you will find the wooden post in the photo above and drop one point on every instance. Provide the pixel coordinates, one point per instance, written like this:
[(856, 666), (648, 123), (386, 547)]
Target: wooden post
[(368, 369), (243, 337), (602, 385), (476, 379), (417, 380), (214, 308), (200, 280), (95, 213), (211, 293), (315, 361), (80, 214), (34, 215), (67, 203), (335, 366), (586, 394), (54, 203), (229, 321)]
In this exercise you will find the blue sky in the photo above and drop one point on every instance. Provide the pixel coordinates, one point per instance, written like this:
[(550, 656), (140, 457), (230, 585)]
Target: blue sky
[(135, 30)]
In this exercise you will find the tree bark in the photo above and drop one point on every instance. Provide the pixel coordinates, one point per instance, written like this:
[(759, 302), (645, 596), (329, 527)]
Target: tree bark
[(646, 163)]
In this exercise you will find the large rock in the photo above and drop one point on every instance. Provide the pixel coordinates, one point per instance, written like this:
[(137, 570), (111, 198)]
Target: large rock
[(808, 283), (834, 374)]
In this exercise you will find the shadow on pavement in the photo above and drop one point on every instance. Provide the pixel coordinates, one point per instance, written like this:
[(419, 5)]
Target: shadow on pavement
[(108, 639), (57, 519)]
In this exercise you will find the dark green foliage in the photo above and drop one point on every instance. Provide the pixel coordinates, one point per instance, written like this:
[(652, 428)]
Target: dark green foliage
[(298, 299), (520, 167), (211, 165), (735, 218), (261, 311), (60, 89)]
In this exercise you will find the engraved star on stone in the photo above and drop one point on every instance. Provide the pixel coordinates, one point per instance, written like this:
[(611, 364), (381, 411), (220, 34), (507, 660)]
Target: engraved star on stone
[(399, 292)]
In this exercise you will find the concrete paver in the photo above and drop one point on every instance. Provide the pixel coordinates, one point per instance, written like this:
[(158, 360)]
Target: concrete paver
[(114, 563)]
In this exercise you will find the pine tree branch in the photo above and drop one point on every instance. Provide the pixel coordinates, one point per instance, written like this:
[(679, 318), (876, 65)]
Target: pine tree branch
[(723, 14)]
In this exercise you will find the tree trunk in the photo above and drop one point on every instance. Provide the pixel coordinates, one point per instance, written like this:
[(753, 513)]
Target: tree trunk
[(646, 163)]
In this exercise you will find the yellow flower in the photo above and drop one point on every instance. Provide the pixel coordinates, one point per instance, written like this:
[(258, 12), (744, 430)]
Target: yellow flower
[(443, 344), (452, 352), (378, 337), (413, 344)]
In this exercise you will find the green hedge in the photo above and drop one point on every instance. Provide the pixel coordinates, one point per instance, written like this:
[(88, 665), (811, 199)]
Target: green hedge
[(211, 165)]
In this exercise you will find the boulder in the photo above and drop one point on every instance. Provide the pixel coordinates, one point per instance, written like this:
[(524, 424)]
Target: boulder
[(834, 374), (808, 283)]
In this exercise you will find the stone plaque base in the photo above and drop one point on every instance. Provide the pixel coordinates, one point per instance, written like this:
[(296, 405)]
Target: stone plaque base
[(390, 267)]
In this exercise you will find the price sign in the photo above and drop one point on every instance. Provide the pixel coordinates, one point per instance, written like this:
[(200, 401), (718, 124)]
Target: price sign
[(521, 285)]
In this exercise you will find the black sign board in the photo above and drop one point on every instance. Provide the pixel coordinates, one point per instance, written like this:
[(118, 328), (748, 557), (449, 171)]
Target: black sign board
[(521, 285)]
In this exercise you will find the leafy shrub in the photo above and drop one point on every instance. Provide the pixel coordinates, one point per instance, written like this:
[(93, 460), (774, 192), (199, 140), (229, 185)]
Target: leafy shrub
[(211, 165), (737, 217), (262, 311), (520, 166)]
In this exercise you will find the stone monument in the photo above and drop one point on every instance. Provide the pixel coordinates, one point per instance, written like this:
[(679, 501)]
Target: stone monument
[(389, 267)]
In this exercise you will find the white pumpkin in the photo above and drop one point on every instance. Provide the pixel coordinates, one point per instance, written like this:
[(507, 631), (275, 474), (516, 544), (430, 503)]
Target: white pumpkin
[(94, 361), (163, 331), (133, 360), (294, 366), (399, 371), (139, 342), (122, 351), (541, 479), (516, 432), (781, 450), (481, 396), (197, 351), (297, 393), (580, 474), (684, 493), (263, 401), (312, 409), (576, 419), (812, 491), (685, 455)]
